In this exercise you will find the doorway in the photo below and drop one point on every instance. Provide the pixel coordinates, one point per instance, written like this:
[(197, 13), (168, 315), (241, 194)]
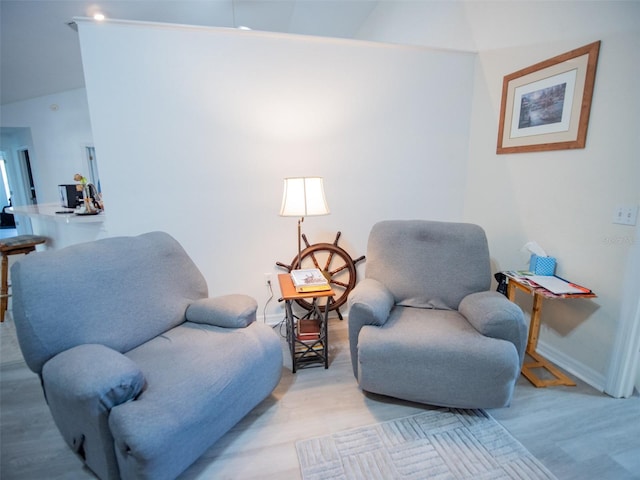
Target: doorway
[(94, 176), (27, 176), (7, 220), (5, 190)]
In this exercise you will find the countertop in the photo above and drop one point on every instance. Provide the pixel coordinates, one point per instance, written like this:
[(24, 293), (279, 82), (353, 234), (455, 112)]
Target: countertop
[(48, 211)]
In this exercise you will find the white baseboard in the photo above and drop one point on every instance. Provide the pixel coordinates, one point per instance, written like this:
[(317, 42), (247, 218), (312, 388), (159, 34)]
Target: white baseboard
[(578, 369)]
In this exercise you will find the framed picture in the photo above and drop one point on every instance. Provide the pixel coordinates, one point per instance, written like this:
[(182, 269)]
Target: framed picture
[(546, 106)]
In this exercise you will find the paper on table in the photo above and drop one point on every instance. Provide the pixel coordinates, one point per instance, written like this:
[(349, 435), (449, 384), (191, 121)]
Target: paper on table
[(555, 284)]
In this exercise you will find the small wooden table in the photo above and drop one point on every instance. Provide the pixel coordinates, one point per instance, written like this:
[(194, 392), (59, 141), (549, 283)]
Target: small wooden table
[(539, 294), (312, 351)]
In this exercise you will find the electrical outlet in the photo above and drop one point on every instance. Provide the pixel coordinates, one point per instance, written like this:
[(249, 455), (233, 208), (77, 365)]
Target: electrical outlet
[(267, 279), (625, 214)]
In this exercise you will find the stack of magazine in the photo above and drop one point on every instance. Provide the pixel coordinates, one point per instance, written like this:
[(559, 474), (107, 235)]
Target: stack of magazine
[(308, 280)]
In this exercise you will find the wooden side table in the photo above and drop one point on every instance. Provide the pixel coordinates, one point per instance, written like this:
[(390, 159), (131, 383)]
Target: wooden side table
[(538, 361), (311, 351)]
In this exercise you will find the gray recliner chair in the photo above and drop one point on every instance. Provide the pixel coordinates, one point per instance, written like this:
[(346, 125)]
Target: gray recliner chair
[(423, 325), (141, 370)]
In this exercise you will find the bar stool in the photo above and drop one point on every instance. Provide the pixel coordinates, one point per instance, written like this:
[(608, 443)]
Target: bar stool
[(13, 246)]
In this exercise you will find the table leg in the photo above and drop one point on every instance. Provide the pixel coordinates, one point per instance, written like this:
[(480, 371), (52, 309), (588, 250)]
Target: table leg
[(291, 334), (325, 326), (538, 361), (534, 323), (307, 352)]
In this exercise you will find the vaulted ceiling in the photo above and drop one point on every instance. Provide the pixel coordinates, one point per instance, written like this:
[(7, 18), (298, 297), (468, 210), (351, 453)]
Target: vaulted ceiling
[(40, 53)]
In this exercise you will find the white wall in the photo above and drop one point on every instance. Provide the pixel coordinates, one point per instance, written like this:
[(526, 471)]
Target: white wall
[(196, 128), (375, 148), (572, 210), (565, 199), (60, 131)]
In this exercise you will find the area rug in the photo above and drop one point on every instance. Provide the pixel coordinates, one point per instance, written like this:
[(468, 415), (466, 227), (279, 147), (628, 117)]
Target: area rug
[(436, 445)]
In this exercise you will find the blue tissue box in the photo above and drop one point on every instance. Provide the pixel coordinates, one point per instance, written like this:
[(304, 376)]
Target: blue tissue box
[(542, 265)]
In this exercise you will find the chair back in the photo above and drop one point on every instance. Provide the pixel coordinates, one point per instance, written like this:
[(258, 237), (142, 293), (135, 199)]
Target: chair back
[(118, 292), (429, 264)]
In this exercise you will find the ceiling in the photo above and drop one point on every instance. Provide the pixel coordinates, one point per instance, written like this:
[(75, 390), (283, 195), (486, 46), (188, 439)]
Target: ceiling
[(40, 53)]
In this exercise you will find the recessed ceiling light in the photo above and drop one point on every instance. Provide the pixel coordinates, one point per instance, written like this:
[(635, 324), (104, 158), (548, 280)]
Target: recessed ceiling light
[(98, 17)]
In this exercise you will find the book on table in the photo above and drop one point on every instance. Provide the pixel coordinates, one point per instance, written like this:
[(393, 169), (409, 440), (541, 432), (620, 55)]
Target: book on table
[(308, 329), (308, 280)]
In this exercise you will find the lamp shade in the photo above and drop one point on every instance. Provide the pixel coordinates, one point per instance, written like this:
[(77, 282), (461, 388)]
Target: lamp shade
[(303, 196)]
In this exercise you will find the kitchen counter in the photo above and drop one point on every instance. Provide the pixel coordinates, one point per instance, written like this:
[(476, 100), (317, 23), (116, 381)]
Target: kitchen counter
[(62, 229), (50, 211)]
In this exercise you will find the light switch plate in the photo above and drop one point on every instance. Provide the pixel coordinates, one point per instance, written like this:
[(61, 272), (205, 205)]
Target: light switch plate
[(625, 214)]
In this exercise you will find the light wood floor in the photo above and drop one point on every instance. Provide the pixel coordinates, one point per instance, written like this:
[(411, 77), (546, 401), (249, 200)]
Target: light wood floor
[(577, 432)]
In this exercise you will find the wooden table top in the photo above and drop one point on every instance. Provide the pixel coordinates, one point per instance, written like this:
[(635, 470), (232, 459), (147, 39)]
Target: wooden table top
[(289, 291), (523, 284)]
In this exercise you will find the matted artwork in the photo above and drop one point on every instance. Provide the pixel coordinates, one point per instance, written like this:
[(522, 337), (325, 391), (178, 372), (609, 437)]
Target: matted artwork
[(546, 106)]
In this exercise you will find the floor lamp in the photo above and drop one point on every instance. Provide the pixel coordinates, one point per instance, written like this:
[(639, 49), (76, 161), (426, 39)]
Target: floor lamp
[(303, 197)]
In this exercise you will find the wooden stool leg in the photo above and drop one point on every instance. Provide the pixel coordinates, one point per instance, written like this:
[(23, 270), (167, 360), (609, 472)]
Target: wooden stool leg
[(4, 289), (19, 248)]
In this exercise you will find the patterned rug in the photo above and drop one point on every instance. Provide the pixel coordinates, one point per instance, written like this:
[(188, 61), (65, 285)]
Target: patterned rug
[(436, 445)]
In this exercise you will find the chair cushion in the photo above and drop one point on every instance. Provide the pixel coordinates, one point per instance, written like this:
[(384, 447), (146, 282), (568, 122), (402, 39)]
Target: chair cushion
[(436, 357), (231, 311), (201, 380), (118, 291), (429, 264)]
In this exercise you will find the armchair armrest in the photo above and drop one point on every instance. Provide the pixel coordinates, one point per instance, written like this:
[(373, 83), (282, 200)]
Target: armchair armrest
[(493, 315), (230, 311), (81, 386), (370, 303)]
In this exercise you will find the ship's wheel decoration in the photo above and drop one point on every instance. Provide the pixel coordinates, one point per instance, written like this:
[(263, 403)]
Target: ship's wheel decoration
[(335, 264)]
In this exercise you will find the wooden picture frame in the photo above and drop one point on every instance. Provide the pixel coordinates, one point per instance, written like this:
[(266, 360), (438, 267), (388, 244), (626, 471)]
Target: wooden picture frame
[(546, 106)]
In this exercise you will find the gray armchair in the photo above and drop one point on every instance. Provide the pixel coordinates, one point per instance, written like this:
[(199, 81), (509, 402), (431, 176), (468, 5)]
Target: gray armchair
[(423, 325), (142, 371)]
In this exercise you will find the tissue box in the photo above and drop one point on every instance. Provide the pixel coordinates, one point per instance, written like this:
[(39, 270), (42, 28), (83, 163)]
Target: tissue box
[(542, 265)]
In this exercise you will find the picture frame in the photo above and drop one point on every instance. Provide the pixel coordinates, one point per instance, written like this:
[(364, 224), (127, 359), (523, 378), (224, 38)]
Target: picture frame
[(546, 106)]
